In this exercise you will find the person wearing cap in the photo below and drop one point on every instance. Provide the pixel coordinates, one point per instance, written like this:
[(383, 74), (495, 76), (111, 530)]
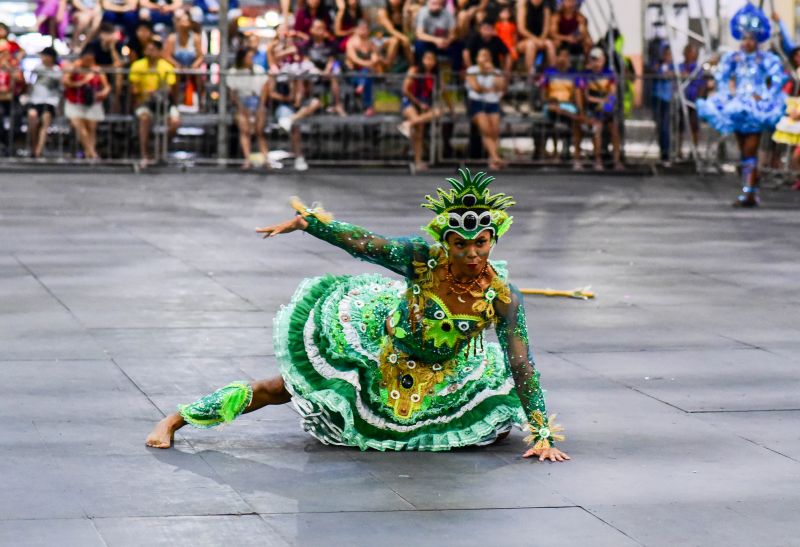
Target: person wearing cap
[(153, 81), (45, 94), (599, 100)]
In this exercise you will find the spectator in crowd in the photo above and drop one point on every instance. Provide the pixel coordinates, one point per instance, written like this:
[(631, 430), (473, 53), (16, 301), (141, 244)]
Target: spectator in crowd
[(599, 91), (506, 30), (363, 58), (86, 18), (282, 52), (390, 18), (348, 14), (289, 108), (568, 26), (153, 83), (663, 90), (45, 94), (311, 11), (410, 10), (11, 84), (468, 11), (436, 31), (533, 24), (108, 56), (485, 38), (485, 87), (417, 105), (321, 52), (246, 82), (14, 50), (184, 49), (85, 89), (137, 43), (206, 13), (52, 18), (122, 13), (562, 99), (693, 91), (252, 40), (159, 12)]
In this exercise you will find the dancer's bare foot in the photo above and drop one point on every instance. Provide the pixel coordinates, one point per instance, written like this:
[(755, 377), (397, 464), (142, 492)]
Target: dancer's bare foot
[(164, 432)]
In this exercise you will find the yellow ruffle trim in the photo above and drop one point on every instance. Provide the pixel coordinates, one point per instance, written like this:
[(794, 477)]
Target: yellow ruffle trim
[(315, 210)]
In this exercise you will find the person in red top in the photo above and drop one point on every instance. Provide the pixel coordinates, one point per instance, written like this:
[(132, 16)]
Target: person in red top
[(417, 105), (85, 88), (16, 52), (11, 83), (568, 26)]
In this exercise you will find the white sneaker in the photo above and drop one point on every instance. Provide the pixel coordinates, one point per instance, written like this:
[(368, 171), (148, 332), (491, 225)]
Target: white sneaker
[(285, 124), (300, 164), (405, 129)]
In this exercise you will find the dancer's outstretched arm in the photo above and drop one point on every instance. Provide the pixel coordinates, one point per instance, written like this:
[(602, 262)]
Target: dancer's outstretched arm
[(512, 332), (396, 254)]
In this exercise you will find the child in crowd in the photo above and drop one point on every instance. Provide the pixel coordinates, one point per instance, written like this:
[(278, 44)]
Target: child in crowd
[(693, 91), (506, 29), (45, 94), (321, 52), (485, 87), (417, 104), (599, 91), (561, 97), (363, 57)]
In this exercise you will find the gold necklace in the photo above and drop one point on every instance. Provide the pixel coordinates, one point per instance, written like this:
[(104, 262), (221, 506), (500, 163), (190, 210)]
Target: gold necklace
[(461, 287)]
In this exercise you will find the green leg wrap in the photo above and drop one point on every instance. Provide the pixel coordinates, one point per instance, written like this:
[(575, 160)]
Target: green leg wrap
[(222, 406)]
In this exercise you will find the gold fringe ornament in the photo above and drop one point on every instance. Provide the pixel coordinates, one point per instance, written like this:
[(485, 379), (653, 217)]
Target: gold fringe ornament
[(544, 432), (580, 294)]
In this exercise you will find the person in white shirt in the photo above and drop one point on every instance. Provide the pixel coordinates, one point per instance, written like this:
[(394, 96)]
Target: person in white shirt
[(246, 81), (44, 98), (485, 87)]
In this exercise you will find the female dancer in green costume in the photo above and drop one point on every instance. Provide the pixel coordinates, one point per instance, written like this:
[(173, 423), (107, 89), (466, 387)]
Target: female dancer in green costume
[(387, 364)]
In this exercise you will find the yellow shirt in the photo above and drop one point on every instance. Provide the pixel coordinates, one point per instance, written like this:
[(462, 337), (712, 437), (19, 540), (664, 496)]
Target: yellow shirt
[(147, 80)]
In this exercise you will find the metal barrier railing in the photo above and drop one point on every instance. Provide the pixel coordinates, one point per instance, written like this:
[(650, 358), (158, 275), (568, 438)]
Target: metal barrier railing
[(377, 128)]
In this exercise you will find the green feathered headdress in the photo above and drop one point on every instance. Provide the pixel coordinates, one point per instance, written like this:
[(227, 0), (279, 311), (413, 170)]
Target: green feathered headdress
[(468, 208)]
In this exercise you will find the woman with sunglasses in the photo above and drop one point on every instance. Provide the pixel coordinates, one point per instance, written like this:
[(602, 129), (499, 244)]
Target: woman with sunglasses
[(391, 364)]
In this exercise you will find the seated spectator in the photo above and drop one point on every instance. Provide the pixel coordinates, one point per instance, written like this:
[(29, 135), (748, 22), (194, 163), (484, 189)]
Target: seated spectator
[(252, 40), (599, 92), (311, 11), (108, 56), (560, 86), (321, 52), (410, 10), (85, 89), (468, 11), (86, 18), (363, 57), (153, 83), (533, 24), (390, 18), (52, 18), (506, 29), (122, 13), (184, 49), (485, 38), (436, 31), (45, 94), (417, 105), (13, 48), (246, 81), (568, 26), (137, 43), (485, 87), (159, 12), (286, 92), (206, 13), (348, 15)]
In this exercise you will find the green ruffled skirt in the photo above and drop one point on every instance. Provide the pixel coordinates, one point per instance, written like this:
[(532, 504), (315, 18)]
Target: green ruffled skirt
[(328, 342)]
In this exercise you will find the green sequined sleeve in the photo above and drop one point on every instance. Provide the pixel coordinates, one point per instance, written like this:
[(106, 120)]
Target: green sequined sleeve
[(396, 254), (512, 333)]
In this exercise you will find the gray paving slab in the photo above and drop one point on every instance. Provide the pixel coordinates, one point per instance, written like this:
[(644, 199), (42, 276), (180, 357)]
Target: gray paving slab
[(48, 532), (123, 296), (508, 527)]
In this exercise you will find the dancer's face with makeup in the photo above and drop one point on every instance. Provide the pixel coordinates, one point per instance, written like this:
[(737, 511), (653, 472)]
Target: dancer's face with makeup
[(469, 256)]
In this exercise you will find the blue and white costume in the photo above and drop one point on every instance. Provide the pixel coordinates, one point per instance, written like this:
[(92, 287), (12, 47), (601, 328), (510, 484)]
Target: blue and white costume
[(758, 74)]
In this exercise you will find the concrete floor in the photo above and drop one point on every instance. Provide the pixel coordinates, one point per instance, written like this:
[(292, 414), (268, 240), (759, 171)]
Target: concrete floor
[(123, 295)]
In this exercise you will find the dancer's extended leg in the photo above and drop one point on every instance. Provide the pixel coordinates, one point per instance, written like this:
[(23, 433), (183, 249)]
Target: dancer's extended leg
[(222, 406)]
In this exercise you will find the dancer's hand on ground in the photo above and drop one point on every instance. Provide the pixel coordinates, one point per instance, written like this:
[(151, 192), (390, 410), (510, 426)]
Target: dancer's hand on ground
[(553, 454), (297, 223)]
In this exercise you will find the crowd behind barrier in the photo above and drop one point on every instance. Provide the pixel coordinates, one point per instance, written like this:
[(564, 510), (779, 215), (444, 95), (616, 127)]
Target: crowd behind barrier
[(414, 82)]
